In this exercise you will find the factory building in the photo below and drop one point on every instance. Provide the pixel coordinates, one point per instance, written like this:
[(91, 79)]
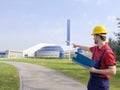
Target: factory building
[(14, 54), (44, 50), (11, 54), (50, 52)]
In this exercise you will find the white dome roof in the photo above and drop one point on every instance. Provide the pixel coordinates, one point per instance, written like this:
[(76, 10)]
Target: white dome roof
[(30, 51)]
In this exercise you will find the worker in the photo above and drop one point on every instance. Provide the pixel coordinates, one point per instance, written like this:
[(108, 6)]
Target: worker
[(105, 60)]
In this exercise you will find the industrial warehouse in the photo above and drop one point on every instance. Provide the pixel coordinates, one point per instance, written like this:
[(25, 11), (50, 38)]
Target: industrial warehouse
[(42, 50)]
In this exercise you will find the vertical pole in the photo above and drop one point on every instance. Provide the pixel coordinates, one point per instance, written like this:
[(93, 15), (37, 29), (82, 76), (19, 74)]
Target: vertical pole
[(68, 32), (68, 35)]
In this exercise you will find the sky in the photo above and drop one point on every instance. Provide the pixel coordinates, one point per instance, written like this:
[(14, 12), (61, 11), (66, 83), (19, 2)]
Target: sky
[(25, 23)]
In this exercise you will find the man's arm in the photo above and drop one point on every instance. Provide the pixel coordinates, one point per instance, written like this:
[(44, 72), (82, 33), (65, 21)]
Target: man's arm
[(82, 47), (111, 70)]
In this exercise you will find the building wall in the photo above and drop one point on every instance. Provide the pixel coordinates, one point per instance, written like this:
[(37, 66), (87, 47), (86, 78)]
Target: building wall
[(47, 54), (14, 54)]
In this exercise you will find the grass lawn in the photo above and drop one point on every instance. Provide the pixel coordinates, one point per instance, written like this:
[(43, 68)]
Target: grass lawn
[(115, 80), (9, 77), (71, 69)]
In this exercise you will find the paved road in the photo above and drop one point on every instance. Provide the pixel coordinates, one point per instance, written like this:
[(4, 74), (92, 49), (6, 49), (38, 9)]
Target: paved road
[(34, 77)]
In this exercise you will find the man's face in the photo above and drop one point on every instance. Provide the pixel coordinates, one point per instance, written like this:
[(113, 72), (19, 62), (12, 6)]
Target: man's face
[(95, 39)]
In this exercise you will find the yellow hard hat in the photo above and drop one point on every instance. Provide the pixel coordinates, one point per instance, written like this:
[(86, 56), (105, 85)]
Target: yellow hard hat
[(99, 30)]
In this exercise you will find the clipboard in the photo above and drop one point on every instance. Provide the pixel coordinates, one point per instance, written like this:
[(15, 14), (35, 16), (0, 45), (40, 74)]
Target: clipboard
[(83, 60)]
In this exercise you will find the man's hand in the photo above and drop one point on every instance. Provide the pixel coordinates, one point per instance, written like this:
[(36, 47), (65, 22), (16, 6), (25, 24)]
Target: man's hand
[(74, 45), (92, 69), (82, 47)]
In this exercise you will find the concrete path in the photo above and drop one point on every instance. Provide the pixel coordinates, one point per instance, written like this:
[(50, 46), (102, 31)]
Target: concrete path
[(35, 77)]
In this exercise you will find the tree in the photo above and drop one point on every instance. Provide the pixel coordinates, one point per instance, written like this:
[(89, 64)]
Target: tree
[(115, 47), (115, 44)]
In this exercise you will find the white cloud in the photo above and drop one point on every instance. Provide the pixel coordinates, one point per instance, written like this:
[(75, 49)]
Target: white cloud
[(100, 2)]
